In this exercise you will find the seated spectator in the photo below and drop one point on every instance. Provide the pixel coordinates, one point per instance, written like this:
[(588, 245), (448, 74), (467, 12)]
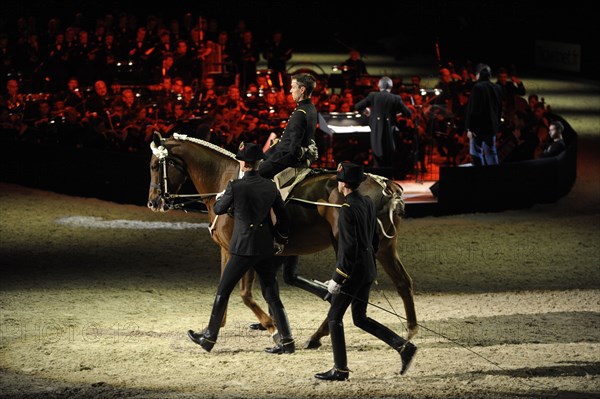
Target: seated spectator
[(512, 89), (520, 142), (556, 144)]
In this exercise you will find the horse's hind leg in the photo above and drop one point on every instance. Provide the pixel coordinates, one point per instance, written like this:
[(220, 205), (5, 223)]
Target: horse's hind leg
[(248, 299), (290, 276), (314, 341), (390, 260)]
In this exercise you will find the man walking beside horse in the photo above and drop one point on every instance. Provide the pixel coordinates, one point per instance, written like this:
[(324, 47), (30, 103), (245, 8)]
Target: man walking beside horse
[(250, 199)]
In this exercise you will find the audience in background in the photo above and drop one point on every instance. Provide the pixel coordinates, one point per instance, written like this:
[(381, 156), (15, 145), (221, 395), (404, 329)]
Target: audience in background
[(123, 77)]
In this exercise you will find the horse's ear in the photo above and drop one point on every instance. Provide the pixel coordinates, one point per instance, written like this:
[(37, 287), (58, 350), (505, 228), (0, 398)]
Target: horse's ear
[(157, 139)]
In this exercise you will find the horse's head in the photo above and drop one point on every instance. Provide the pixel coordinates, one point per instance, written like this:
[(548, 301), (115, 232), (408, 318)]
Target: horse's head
[(167, 174)]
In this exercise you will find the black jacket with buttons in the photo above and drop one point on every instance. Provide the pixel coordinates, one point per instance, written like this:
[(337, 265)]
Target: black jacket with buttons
[(358, 241), (250, 199), (299, 131)]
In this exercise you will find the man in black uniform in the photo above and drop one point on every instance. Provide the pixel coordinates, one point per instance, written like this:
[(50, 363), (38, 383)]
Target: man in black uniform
[(354, 274), (383, 105), (292, 149), (250, 199)]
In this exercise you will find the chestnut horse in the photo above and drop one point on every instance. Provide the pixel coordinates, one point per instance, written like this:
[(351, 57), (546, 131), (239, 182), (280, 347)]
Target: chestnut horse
[(313, 208)]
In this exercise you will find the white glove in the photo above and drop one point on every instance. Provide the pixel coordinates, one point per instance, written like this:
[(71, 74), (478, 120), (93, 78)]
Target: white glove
[(333, 287), (219, 195), (313, 151)]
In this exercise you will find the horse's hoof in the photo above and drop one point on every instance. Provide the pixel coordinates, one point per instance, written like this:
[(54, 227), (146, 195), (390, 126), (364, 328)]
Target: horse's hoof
[(412, 332), (257, 326), (312, 344)]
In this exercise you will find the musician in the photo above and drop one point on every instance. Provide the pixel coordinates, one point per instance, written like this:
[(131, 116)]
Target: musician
[(199, 49), (248, 58), (250, 199), (354, 274), (183, 63), (292, 149), (353, 68), (97, 107), (99, 101), (83, 59), (383, 107), (12, 99), (139, 51), (219, 59), (277, 53), (72, 95)]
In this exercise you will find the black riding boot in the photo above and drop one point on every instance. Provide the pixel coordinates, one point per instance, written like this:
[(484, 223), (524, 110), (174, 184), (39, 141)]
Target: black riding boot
[(286, 341), (340, 370), (406, 349), (208, 337), (290, 276)]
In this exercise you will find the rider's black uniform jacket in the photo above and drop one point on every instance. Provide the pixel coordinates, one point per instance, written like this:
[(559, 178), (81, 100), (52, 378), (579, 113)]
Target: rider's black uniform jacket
[(298, 132)]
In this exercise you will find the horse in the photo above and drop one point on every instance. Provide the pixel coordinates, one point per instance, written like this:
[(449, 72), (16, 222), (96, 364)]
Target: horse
[(312, 205)]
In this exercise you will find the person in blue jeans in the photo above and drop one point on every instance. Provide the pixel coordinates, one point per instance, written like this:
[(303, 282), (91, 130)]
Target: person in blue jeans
[(482, 121)]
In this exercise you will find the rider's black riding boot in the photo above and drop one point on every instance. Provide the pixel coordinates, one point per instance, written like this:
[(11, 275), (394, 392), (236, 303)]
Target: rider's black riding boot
[(286, 343), (290, 276), (340, 371)]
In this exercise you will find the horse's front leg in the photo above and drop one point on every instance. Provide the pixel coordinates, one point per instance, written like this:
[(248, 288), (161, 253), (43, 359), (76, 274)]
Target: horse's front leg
[(390, 260), (246, 292)]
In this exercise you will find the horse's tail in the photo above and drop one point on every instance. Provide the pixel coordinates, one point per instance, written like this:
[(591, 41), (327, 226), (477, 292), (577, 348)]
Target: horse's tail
[(389, 203), (391, 200), (394, 191)]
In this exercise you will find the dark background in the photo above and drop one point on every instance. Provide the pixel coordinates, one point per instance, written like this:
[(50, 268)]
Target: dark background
[(497, 31)]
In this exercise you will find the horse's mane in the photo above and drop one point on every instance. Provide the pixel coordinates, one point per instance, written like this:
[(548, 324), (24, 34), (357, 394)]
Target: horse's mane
[(184, 137)]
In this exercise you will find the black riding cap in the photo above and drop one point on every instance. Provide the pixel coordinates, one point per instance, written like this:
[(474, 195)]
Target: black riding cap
[(250, 152), (350, 173)]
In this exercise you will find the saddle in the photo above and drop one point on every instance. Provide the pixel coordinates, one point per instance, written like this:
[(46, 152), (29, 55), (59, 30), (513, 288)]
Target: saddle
[(288, 178)]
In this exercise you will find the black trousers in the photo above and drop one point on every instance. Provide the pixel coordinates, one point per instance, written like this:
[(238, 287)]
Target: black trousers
[(236, 267), (355, 294)]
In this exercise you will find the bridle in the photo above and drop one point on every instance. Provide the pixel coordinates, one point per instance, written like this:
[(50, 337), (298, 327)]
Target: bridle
[(162, 186)]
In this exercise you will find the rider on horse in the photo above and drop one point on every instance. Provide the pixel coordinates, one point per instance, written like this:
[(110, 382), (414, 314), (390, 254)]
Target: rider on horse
[(296, 148)]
